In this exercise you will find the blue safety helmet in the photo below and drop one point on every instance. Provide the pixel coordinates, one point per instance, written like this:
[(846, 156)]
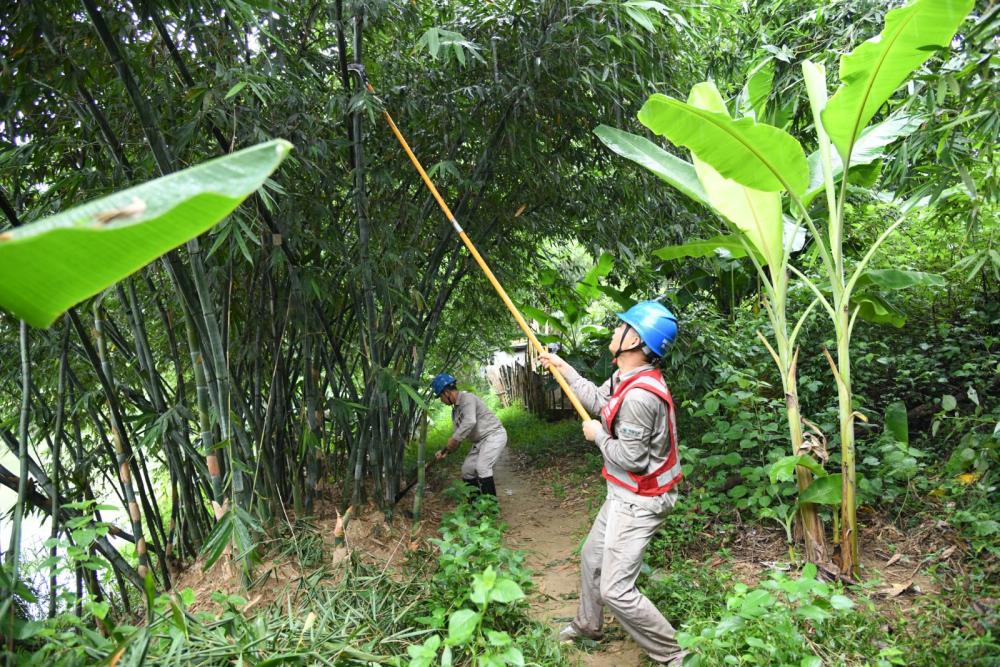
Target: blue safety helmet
[(655, 324), (441, 382)]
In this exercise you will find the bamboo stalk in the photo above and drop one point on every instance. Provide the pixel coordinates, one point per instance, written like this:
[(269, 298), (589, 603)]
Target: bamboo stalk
[(56, 466), (14, 551), (418, 495), (124, 471)]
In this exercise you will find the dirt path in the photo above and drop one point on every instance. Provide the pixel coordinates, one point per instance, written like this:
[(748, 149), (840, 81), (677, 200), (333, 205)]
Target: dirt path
[(550, 529)]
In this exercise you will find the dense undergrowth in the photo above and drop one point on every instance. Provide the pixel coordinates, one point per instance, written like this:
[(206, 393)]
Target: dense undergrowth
[(931, 481), (463, 607), (928, 461), (464, 603)]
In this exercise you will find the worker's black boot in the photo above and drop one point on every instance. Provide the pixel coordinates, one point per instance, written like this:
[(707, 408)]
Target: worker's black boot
[(488, 486), (474, 483)]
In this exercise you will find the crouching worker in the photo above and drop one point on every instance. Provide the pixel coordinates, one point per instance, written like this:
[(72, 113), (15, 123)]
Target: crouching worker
[(637, 436), (476, 422)]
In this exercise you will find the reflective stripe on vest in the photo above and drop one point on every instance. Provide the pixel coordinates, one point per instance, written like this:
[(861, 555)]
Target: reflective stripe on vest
[(667, 475)]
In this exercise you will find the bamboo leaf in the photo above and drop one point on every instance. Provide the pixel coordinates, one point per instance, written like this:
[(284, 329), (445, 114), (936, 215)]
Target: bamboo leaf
[(52, 264), (640, 18), (235, 89), (216, 543), (753, 98), (406, 390), (755, 155), (873, 71), (543, 318), (433, 45)]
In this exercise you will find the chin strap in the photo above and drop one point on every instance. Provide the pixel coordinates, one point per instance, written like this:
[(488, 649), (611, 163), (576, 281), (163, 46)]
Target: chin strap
[(619, 351)]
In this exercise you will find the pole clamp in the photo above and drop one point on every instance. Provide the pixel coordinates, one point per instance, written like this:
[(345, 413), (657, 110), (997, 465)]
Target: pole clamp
[(359, 69)]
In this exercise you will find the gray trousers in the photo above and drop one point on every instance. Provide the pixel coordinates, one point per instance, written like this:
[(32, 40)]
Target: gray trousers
[(483, 456), (610, 564)]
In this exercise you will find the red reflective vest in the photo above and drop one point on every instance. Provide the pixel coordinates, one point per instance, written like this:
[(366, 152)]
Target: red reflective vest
[(662, 479)]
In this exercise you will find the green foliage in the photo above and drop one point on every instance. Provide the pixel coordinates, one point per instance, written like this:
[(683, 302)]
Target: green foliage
[(686, 590), (476, 594), (958, 629), (786, 621), (299, 542), (873, 71), (236, 529), (439, 41), (312, 629), (471, 541), (56, 262), (744, 165), (364, 615), (539, 439), (466, 631), (503, 100), (742, 435)]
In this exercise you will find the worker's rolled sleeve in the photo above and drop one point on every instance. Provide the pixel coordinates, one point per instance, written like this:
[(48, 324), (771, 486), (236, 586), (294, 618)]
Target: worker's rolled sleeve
[(591, 396)]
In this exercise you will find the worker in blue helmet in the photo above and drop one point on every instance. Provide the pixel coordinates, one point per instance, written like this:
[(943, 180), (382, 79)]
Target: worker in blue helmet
[(637, 436), (476, 422)]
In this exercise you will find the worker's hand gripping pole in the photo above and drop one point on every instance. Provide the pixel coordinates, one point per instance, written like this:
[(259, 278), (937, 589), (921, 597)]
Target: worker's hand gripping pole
[(360, 71)]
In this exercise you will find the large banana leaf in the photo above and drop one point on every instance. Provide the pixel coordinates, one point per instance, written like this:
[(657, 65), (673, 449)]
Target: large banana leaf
[(670, 168), (869, 148), (873, 71), (896, 279), (756, 155), (755, 213), (873, 307), (49, 265), (703, 248)]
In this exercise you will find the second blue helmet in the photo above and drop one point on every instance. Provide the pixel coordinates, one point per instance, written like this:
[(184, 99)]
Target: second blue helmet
[(441, 382)]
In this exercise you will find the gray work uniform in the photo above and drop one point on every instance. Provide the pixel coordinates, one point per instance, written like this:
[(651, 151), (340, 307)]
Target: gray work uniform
[(612, 555), (474, 421)]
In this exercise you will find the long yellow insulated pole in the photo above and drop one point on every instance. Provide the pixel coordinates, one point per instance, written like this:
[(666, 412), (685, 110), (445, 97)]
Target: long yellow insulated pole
[(475, 253)]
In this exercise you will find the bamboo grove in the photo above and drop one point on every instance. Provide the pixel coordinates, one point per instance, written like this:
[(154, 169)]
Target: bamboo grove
[(284, 351)]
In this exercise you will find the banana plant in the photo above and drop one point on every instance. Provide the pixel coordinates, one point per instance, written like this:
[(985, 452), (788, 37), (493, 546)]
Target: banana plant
[(755, 214), (749, 172)]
